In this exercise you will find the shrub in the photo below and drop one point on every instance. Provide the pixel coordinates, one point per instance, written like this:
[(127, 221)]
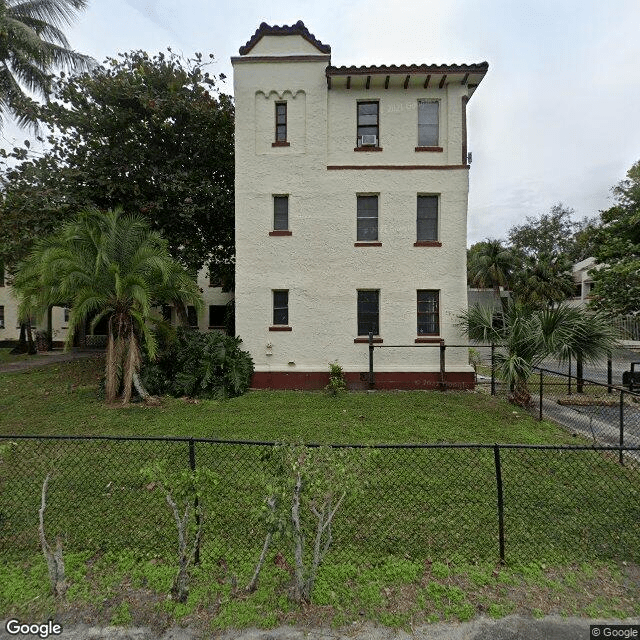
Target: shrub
[(336, 379), (202, 365)]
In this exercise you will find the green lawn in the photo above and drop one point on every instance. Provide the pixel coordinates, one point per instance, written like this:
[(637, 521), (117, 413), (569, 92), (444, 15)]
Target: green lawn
[(6, 356), (420, 506), (63, 399)]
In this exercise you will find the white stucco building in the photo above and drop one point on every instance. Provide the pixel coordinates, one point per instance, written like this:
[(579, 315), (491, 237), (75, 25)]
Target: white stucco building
[(351, 213)]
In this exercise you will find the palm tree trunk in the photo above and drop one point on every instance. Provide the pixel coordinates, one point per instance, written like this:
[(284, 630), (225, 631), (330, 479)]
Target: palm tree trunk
[(111, 367), (131, 363), (521, 395)]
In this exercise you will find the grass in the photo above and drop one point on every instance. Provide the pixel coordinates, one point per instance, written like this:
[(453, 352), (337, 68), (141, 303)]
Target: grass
[(64, 399), (420, 546), (7, 357)]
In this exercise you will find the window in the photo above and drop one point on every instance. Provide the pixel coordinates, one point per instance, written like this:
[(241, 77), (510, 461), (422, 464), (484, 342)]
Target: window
[(368, 124), (428, 123), (368, 312), (281, 121), (166, 312), (192, 317), (281, 307), (66, 315), (216, 316), (367, 230), (1, 316), (1, 275), (280, 213), (214, 275), (428, 313), (427, 223)]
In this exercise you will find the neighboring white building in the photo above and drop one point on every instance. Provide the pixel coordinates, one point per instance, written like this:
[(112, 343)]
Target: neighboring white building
[(351, 193), (583, 281), (211, 317)]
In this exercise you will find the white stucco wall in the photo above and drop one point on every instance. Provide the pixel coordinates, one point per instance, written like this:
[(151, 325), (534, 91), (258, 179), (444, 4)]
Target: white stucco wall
[(318, 263)]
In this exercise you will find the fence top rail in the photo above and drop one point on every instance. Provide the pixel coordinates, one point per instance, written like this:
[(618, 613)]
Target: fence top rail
[(599, 384), (432, 445), (420, 345)]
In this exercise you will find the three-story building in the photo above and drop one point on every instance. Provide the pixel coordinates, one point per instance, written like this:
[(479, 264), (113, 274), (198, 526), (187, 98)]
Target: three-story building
[(351, 214)]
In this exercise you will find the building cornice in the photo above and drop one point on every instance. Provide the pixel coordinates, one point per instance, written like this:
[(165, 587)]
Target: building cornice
[(294, 58)]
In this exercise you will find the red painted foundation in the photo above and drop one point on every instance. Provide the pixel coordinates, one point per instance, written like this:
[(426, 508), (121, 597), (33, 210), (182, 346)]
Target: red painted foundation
[(384, 380)]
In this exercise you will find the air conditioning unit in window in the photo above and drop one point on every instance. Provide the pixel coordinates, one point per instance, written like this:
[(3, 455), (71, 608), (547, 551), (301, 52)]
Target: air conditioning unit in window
[(369, 141)]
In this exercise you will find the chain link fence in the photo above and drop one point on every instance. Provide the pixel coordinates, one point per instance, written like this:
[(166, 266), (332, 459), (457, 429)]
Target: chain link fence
[(605, 413), (467, 503)]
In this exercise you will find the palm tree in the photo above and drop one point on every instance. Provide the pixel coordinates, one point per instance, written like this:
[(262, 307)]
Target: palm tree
[(524, 337), (107, 265), (490, 265), (543, 281), (32, 45)]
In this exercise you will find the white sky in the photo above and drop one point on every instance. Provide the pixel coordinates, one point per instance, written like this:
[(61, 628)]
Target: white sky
[(556, 118)]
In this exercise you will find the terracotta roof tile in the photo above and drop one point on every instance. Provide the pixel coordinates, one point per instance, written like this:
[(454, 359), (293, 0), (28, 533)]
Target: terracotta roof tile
[(298, 29), (481, 67)]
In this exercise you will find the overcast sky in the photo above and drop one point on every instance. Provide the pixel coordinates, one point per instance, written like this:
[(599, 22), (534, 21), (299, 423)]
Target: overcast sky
[(556, 118)]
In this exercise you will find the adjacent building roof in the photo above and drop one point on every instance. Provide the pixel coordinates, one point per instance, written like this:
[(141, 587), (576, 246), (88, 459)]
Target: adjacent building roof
[(298, 29)]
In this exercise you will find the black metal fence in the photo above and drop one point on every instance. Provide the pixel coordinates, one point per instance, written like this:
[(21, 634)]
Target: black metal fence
[(606, 413), (464, 502)]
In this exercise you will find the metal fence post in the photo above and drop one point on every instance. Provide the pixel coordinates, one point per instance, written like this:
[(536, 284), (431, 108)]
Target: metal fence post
[(493, 369), (372, 381), (192, 465), (540, 409), (496, 456), (443, 384), (579, 374), (621, 425), (569, 378), (609, 373)]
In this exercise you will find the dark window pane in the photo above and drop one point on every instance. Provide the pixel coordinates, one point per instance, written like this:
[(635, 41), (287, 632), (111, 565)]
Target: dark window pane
[(428, 124), (281, 122), (368, 108), (281, 213), (367, 222), (214, 276), (166, 313), (216, 315), (280, 307), (368, 312), (428, 313), (367, 121), (427, 218), (192, 316)]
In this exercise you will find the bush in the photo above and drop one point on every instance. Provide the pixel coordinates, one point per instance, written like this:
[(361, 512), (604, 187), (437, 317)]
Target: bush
[(201, 365), (336, 379)]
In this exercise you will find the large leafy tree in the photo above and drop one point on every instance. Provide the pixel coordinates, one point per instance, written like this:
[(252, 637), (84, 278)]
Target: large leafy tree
[(551, 234), (32, 45), (617, 282), (525, 336), (107, 265), (150, 134)]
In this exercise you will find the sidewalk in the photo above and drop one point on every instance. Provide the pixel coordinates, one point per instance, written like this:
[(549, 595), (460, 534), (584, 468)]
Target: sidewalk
[(509, 628), (43, 358)]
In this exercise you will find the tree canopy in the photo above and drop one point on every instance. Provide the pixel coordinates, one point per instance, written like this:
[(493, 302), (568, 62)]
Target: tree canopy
[(617, 282), (32, 45), (149, 134)]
